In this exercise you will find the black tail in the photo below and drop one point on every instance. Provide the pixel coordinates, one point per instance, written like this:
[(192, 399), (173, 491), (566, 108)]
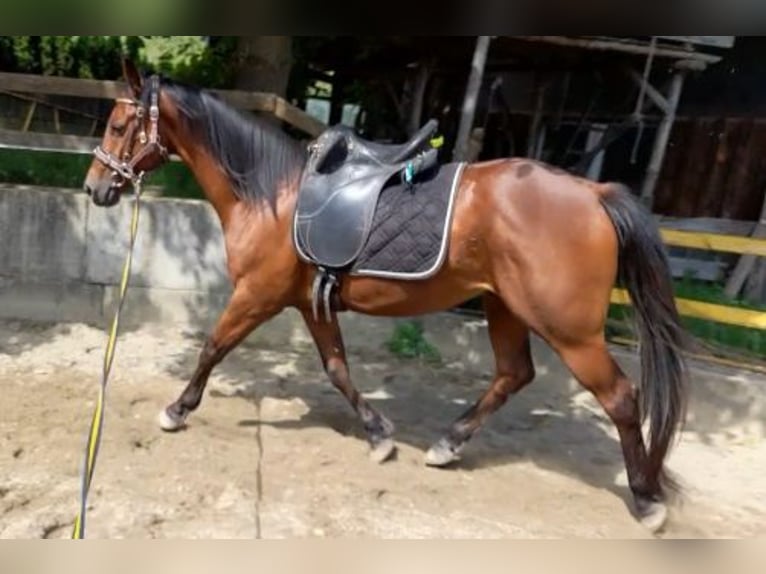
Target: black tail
[(645, 272)]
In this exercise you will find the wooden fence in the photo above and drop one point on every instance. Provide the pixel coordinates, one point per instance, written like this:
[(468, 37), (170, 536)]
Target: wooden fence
[(20, 86), (714, 242)]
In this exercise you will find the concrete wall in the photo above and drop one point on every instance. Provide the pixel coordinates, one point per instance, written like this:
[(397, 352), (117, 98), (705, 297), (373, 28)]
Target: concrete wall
[(61, 258)]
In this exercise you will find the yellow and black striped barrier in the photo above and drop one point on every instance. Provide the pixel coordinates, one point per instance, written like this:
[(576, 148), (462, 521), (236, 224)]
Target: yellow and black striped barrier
[(96, 423)]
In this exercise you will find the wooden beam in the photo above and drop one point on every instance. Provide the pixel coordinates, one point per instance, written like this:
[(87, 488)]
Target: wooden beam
[(710, 225), (708, 311), (297, 117), (714, 41), (102, 89), (13, 139), (36, 141), (460, 151), (534, 128), (661, 139), (627, 46), (105, 89), (251, 101), (715, 242), (60, 86), (654, 94), (698, 269), (45, 101), (746, 263)]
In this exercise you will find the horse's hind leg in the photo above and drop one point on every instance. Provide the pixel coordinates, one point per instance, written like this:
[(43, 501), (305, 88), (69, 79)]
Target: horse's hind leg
[(329, 342), (514, 369), (596, 370), (240, 317)]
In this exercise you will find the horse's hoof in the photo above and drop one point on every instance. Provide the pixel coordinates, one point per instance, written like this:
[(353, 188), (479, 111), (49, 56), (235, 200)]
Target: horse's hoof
[(170, 422), (653, 515), (382, 451), (441, 454)]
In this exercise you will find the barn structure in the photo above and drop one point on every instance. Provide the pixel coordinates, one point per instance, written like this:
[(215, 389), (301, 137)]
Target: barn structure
[(679, 119)]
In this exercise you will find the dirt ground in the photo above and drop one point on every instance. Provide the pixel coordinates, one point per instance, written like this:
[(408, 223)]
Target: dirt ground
[(274, 451)]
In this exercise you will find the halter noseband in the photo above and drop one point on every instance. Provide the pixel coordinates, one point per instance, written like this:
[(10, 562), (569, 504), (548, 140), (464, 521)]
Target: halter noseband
[(125, 167)]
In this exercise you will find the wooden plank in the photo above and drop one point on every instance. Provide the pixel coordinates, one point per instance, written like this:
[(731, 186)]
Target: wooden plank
[(714, 41), (709, 225), (35, 141), (709, 311), (654, 94), (699, 269), (746, 263), (60, 86), (661, 138), (102, 89), (298, 118), (251, 101), (715, 242), (105, 89), (47, 102), (617, 45), (47, 142)]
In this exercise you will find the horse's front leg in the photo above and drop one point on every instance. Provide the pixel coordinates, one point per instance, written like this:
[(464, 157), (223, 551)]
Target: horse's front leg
[(329, 342), (241, 316)]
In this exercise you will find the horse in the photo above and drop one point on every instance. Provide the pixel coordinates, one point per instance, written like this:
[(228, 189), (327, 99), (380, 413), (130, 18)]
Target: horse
[(541, 247)]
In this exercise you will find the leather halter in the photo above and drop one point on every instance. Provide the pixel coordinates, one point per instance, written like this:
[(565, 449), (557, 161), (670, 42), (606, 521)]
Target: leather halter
[(125, 167)]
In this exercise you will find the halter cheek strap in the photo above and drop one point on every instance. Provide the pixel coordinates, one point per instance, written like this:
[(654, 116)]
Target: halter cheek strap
[(125, 168)]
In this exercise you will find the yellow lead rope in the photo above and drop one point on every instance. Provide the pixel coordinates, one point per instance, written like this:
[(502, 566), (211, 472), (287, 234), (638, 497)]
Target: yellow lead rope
[(94, 435)]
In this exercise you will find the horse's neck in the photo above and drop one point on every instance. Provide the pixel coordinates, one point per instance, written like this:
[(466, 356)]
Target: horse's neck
[(214, 183)]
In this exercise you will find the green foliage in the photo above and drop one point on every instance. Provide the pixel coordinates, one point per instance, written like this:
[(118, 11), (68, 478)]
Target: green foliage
[(66, 170), (73, 56), (408, 341), (206, 61), (193, 59)]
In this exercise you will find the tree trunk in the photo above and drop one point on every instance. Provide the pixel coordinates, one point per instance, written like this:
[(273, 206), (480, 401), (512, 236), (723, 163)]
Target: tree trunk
[(264, 63)]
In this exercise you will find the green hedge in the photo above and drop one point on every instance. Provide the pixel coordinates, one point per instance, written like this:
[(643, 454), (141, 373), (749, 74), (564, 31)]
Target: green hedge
[(53, 169)]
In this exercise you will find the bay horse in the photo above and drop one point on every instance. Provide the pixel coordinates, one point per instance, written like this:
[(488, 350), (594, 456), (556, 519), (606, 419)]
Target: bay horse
[(542, 247)]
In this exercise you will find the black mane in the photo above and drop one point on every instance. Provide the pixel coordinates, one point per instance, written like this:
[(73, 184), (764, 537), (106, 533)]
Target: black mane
[(256, 156)]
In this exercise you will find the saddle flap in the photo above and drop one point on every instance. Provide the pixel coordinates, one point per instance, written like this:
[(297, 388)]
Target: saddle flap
[(340, 188)]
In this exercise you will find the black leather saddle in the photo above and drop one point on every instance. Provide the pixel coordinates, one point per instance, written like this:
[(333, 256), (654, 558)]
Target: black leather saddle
[(340, 187)]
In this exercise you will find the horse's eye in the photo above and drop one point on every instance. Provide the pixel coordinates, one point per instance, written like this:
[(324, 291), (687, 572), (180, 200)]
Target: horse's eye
[(117, 129)]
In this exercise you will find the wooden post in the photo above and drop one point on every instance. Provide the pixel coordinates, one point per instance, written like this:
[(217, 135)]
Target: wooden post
[(746, 263), (596, 135), (471, 95), (418, 93), (661, 139), (534, 128)]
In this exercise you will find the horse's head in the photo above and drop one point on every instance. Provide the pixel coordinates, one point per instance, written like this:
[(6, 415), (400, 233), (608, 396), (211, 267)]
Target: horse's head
[(131, 143)]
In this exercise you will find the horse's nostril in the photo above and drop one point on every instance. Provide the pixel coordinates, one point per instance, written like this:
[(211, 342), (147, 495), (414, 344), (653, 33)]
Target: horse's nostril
[(87, 189)]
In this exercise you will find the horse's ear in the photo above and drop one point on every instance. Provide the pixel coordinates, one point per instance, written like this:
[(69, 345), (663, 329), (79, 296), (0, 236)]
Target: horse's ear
[(132, 76)]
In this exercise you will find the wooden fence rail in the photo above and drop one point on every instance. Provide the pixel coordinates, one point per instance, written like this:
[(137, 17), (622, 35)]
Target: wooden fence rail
[(103, 89), (714, 242)]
